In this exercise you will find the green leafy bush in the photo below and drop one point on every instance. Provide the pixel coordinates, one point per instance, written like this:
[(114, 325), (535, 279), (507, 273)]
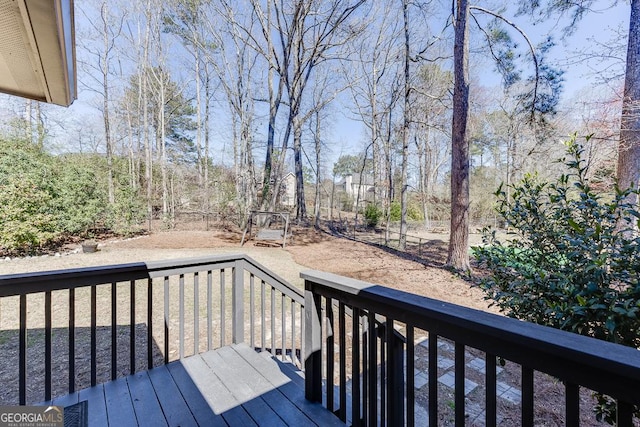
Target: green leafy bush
[(372, 215), (566, 264), (45, 198), (27, 213), (26, 218), (413, 212), (128, 211), (81, 195), (395, 211)]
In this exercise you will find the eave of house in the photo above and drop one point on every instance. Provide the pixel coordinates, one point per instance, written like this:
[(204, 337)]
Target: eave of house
[(37, 50)]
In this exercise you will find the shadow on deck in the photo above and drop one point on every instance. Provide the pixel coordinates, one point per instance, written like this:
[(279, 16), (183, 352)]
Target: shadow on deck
[(232, 385)]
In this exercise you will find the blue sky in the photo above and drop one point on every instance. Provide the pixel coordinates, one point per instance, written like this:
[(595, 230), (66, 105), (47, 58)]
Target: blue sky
[(347, 136)]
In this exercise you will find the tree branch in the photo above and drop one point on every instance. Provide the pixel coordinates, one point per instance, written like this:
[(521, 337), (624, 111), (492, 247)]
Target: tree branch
[(524, 35)]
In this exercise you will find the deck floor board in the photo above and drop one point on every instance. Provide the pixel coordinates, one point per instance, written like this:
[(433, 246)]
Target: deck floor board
[(194, 399), (276, 403), (120, 410), (175, 409), (216, 394), (98, 413), (145, 401), (285, 380), (231, 386)]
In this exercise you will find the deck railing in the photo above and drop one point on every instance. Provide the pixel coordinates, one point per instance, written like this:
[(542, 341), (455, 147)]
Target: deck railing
[(61, 331), (65, 330), (371, 380)]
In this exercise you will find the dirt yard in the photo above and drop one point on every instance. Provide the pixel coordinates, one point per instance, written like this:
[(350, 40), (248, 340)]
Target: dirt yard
[(308, 249)]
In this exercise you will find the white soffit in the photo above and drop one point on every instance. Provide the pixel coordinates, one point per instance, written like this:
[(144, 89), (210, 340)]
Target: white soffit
[(37, 50)]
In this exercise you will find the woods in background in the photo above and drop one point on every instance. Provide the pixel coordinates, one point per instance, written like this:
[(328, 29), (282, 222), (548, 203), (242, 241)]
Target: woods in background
[(212, 106)]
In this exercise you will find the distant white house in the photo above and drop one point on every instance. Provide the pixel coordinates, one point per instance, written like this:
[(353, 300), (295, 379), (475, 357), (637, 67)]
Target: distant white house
[(288, 190), (357, 188)]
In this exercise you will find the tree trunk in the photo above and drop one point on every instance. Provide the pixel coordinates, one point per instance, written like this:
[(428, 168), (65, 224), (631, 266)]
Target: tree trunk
[(375, 140), (133, 181), (271, 131), (144, 94), (458, 257), (274, 105), (247, 160), (629, 145), (318, 141), (402, 243), (29, 120), (332, 202), (40, 131), (301, 205), (200, 160), (207, 100), (359, 185), (276, 172), (389, 173), (423, 178), (163, 148), (105, 103)]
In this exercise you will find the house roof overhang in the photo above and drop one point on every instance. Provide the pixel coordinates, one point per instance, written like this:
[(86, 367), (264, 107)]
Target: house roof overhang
[(37, 50)]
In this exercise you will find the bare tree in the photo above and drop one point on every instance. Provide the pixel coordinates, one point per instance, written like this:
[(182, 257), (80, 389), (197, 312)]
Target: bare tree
[(234, 61), (309, 32), (100, 66), (432, 110), (35, 127), (406, 121), (144, 100), (275, 88), (375, 92), (325, 90), (185, 19)]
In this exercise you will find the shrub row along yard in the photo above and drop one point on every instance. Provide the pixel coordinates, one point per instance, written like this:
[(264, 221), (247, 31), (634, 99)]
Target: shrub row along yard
[(46, 198)]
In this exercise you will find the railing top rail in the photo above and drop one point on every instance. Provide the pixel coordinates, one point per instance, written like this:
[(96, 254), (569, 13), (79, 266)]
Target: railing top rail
[(269, 276), (169, 264), (602, 366), (27, 283)]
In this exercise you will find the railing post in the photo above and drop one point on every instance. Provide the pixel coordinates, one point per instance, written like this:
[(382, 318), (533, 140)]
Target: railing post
[(395, 373), (312, 344), (237, 302), (396, 347)]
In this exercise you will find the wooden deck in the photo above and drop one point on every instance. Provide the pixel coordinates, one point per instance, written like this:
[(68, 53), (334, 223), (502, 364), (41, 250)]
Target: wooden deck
[(232, 386)]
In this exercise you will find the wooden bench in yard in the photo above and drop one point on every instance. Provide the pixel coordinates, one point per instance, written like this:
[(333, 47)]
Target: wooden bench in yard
[(265, 235)]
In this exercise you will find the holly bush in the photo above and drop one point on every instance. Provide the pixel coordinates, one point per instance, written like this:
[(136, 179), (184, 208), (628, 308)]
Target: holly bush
[(571, 259)]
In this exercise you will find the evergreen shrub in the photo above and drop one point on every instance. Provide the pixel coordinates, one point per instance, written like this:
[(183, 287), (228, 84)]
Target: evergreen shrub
[(571, 259)]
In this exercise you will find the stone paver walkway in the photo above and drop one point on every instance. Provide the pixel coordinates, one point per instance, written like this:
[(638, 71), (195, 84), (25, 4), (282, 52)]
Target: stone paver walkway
[(474, 375)]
